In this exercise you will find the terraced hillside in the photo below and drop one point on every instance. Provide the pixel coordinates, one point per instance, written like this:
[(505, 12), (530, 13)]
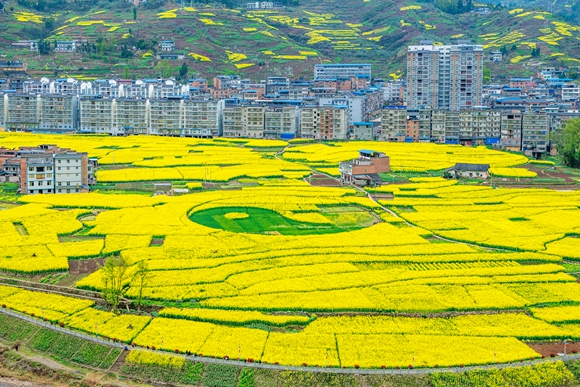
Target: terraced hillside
[(215, 39)]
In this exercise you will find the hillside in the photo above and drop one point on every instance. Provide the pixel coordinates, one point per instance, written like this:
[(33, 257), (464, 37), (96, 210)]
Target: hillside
[(287, 42), (567, 9)]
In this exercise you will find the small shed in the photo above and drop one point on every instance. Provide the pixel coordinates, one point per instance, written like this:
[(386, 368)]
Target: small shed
[(474, 171), (162, 187)]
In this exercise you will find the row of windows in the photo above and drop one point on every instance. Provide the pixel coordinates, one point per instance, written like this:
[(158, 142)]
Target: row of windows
[(39, 169), (68, 190)]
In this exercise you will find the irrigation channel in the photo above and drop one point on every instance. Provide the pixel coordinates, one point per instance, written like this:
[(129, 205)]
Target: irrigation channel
[(276, 367)]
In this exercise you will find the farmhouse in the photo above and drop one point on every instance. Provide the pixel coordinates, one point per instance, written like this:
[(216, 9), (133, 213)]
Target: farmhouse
[(167, 45), (264, 5), (496, 56), (480, 171), (364, 170), (65, 46), (170, 56)]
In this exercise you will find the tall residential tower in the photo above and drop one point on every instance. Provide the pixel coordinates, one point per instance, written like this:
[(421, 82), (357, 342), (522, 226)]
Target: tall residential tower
[(444, 76)]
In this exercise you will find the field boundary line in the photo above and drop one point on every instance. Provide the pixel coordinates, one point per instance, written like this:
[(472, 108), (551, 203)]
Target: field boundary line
[(276, 367)]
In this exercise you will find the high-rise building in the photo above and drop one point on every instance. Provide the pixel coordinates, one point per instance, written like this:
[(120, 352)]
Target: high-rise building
[(444, 76)]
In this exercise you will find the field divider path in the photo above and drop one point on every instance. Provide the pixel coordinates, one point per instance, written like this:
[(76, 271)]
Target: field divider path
[(276, 367), (55, 289), (370, 196)]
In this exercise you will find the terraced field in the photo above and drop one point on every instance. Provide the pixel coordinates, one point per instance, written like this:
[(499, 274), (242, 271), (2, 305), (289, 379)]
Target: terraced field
[(290, 41)]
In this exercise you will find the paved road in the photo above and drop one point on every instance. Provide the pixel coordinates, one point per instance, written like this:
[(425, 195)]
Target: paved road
[(275, 367)]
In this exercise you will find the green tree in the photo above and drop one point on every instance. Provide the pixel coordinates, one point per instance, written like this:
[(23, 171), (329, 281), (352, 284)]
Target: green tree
[(164, 68), (568, 143), (486, 75), (183, 71), (135, 13), (141, 278), (126, 73), (114, 275)]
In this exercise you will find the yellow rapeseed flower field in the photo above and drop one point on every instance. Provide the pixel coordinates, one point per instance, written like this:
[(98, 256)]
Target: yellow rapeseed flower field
[(275, 252)]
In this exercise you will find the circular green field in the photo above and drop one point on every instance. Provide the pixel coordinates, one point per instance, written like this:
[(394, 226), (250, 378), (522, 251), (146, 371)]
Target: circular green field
[(262, 221)]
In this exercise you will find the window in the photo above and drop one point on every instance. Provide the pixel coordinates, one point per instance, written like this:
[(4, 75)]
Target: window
[(59, 163), (31, 184), (31, 169)]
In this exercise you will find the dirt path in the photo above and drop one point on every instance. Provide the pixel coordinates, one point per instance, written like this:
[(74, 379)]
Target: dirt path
[(48, 362), (11, 382)]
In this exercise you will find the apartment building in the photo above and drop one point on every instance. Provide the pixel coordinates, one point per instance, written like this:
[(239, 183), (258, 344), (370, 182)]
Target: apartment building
[(253, 118), (48, 169), (362, 106), (468, 127), (169, 117), (444, 77), (232, 121), (244, 121), (364, 131), (96, 115), (129, 116), (535, 132), (452, 124), (22, 112), (423, 118), (511, 130), (341, 70), (438, 126), (281, 122), (58, 113), (202, 118), (412, 129), (3, 110), (275, 84), (166, 117), (570, 92), (324, 122), (393, 123)]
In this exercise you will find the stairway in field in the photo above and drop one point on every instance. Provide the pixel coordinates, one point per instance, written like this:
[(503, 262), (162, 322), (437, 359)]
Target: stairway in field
[(116, 367)]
